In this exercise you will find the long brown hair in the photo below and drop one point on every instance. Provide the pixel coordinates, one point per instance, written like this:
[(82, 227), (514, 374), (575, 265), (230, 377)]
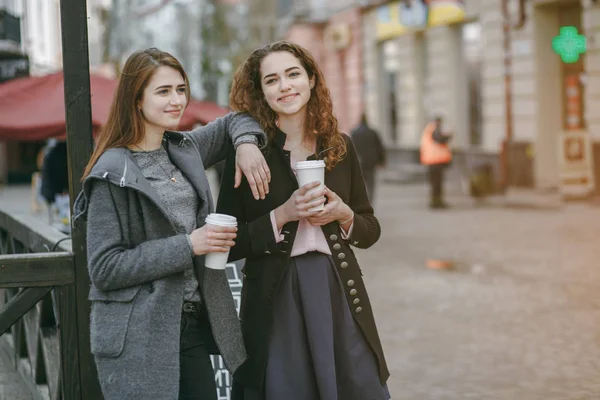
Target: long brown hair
[(125, 124), (247, 96)]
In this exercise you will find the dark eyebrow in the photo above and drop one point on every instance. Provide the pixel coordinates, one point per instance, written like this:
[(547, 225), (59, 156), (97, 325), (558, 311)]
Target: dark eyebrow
[(169, 86), (287, 70)]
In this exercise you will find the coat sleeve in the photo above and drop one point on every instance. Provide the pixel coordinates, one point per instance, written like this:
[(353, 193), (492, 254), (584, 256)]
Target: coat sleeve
[(254, 238), (214, 139), (112, 264), (366, 229)]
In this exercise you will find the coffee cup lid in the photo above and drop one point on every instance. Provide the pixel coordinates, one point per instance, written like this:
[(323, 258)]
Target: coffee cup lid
[(221, 220), (310, 164)]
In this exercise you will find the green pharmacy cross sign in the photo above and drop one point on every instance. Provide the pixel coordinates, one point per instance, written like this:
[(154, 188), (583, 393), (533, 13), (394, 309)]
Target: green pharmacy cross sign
[(569, 44)]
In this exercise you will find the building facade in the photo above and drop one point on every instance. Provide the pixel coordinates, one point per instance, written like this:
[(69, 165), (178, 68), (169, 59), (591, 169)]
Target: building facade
[(333, 32), (451, 63), (423, 60), (14, 62), (32, 46)]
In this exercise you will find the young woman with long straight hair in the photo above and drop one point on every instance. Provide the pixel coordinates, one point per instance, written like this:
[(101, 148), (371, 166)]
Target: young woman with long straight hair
[(157, 313)]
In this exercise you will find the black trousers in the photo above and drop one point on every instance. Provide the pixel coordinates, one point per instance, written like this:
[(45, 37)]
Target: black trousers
[(197, 377), (436, 182)]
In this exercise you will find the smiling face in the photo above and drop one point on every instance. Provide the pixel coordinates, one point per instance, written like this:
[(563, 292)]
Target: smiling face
[(285, 83), (163, 101)]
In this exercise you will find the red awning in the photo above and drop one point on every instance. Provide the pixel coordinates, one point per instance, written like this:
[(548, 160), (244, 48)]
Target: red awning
[(205, 111), (33, 108)]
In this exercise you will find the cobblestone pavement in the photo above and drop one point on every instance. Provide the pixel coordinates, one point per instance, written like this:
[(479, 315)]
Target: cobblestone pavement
[(518, 318)]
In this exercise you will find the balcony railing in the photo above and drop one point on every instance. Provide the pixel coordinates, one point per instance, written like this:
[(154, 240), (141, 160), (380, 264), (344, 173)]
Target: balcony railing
[(37, 300)]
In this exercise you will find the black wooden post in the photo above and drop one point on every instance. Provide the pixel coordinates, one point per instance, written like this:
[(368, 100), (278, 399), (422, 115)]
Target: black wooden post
[(79, 378)]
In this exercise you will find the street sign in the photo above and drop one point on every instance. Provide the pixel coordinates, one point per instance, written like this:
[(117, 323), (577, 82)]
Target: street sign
[(569, 44), (576, 170)]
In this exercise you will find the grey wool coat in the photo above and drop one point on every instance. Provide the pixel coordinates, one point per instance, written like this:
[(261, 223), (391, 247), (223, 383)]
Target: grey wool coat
[(136, 263)]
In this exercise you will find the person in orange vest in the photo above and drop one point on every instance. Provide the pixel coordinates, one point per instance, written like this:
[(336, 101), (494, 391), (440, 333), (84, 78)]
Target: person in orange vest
[(436, 155)]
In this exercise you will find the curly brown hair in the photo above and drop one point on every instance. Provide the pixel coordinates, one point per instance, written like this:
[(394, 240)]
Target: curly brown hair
[(247, 96)]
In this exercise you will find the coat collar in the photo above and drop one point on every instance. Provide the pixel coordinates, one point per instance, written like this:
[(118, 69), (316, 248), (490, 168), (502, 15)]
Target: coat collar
[(118, 166), (280, 138)]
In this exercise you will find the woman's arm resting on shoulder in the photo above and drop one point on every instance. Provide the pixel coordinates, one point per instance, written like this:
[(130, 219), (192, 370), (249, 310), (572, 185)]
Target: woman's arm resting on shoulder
[(214, 139), (251, 161), (214, 143), (253, 238), (111, 264)]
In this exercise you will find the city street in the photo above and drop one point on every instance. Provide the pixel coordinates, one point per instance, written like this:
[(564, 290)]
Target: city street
[(517, 318)]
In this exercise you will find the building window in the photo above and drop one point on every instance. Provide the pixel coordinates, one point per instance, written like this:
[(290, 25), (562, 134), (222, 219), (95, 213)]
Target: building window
[(389, 85), (472, 48)]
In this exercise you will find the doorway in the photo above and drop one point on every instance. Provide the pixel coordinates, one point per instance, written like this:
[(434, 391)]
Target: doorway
[(388, 54), (555, 83)]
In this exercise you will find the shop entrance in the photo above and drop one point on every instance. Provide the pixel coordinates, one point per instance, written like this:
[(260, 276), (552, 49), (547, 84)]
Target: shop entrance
[(560, 89)]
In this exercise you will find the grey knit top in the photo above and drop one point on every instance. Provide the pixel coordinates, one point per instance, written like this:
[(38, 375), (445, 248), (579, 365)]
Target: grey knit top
[(179, 198)]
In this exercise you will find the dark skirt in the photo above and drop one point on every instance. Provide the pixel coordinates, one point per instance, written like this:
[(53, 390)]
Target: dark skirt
[(316, 349)]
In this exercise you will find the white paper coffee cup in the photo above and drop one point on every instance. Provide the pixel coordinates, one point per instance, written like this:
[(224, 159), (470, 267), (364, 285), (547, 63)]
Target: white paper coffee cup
[(311, 171), (218, 260)]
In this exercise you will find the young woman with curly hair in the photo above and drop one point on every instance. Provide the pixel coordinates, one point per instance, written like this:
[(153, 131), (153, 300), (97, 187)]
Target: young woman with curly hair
[(306, 318)]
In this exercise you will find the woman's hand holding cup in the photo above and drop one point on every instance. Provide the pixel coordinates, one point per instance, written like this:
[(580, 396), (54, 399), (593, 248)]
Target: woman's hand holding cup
[(213, 239), (298, 205)]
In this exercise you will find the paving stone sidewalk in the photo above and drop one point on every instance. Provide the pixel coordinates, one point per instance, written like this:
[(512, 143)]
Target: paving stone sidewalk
[(518, 318)]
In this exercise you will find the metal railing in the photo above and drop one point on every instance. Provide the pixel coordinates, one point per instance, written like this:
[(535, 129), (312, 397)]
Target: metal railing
[(44, 283), (37, 300)]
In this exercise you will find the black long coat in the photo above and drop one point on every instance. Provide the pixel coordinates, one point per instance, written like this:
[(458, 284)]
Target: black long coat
[(267, 261)]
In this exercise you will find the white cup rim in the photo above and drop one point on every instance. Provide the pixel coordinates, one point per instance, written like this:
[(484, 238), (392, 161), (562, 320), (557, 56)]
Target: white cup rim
[(221, 219), (310, 164)]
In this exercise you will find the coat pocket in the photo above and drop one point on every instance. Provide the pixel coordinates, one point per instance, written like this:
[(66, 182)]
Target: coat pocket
[(109, 320)]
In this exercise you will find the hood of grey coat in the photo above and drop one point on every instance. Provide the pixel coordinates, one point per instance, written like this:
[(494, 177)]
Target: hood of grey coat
[(118, 167)]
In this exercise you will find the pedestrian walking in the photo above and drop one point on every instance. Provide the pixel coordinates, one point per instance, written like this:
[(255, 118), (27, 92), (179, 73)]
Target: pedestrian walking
[(157, 313), (55, 172), (308, 324), (55, 186), (436, 155), (371, 153), (37, 199)]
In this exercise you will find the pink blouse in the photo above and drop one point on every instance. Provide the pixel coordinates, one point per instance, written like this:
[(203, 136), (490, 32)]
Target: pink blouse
[(308, 237)]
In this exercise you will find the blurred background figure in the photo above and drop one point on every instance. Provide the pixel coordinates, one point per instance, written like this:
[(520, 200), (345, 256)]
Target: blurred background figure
[(55, 185), (371, 153), (436, 155), (37, 200)]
